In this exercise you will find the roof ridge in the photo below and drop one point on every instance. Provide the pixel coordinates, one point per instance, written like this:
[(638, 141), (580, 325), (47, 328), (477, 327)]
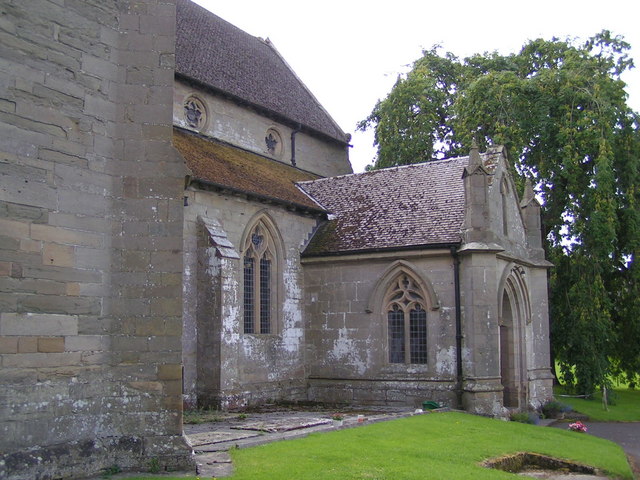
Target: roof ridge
[(386, 169), (313, 199), (217, 54), (271, 45), (406, 206)]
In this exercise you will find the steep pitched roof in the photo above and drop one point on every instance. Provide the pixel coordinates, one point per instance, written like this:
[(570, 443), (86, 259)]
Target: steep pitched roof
[(394, 208), (230, 168), (212, 51)]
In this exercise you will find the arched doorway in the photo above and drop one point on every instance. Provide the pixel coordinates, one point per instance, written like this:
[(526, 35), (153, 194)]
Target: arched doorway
[(508, 359), (515, 314)]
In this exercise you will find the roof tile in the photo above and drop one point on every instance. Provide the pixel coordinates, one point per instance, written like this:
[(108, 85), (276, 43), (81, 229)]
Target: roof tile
[(228, 167), (400, 207), (212, 51)]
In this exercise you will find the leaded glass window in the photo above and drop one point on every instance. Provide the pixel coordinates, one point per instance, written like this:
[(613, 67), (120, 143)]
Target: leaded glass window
[(407, 319), (418, 334), (249, 297), (259, 287), (265, 295), (396, 335)]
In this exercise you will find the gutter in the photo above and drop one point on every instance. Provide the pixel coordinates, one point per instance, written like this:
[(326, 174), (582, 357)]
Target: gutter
[(298, 129), (456, 281), (342, 253)]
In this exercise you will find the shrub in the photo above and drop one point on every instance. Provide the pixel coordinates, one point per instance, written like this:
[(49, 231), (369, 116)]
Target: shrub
[(612, 397), (554, 409), (524, 417)]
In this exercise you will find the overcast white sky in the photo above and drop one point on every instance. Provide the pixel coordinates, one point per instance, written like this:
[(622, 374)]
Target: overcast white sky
[(349, 53)]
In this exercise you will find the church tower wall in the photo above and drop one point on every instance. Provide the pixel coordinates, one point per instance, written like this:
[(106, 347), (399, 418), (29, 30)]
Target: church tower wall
[(90, 240)]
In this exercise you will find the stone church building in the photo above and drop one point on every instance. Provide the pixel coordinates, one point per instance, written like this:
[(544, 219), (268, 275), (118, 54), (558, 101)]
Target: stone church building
[(180, 225)]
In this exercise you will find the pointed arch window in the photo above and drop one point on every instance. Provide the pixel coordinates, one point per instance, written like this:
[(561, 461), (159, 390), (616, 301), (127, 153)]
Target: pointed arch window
[(259, 278), (406, 321), (504, 192)]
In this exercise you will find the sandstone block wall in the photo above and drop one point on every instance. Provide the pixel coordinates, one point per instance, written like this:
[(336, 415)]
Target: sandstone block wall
[(223, 366), (90, 239), (243, 127), (346, 329)]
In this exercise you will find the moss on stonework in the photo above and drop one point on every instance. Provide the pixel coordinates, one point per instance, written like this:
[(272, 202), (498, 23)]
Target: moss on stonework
[(237, 169), (323, 240)]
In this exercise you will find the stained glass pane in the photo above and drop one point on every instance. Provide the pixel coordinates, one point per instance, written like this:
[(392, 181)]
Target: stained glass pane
[(256, 240)]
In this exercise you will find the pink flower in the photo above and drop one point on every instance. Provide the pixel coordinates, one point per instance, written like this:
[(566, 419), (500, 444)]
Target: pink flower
[(578, 427)]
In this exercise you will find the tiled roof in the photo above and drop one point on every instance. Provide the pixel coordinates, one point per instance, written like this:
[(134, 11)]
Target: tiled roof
[(400, 207), (230, 168), (212, 51)]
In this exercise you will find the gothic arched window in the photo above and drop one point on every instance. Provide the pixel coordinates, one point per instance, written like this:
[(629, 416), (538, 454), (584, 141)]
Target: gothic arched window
[(407, 321), (260, 280), (504, 193)]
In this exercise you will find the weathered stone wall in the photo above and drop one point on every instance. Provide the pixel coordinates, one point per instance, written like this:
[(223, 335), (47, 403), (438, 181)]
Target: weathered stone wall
[(505, 215), (480, 323), (243, 127), (90, 239), (505, 352), (347, 354), (538, 346), (223, 366)]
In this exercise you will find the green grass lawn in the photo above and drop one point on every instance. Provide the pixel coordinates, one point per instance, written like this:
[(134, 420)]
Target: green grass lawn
[(434, 446), (625, 409), (443, 445)]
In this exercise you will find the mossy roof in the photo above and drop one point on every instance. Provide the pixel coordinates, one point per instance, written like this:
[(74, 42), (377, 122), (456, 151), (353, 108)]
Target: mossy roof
[(227, 167), (413, 206)]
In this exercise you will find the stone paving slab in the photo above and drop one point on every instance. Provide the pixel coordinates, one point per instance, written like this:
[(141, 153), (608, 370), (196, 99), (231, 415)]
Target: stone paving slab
[(283, 425), (218, 436)]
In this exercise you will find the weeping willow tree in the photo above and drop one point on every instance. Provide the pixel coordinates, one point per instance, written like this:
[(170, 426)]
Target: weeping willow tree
[(560, 108)]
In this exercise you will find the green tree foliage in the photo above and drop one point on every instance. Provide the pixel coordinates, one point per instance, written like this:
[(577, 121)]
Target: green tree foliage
[(561, 110)]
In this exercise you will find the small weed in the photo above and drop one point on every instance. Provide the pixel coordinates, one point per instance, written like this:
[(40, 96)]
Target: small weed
[(524, 417), (154, 465), (200, 415), (112, 470), (554, 409), (242, 416)]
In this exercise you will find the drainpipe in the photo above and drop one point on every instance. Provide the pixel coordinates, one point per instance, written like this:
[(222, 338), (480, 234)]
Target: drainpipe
[(456, 281), (293, 144)]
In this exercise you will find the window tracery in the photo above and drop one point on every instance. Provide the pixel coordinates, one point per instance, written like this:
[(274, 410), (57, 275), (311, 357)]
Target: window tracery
[(406, 319), (195, 112), (259, 258), (273, 142)]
